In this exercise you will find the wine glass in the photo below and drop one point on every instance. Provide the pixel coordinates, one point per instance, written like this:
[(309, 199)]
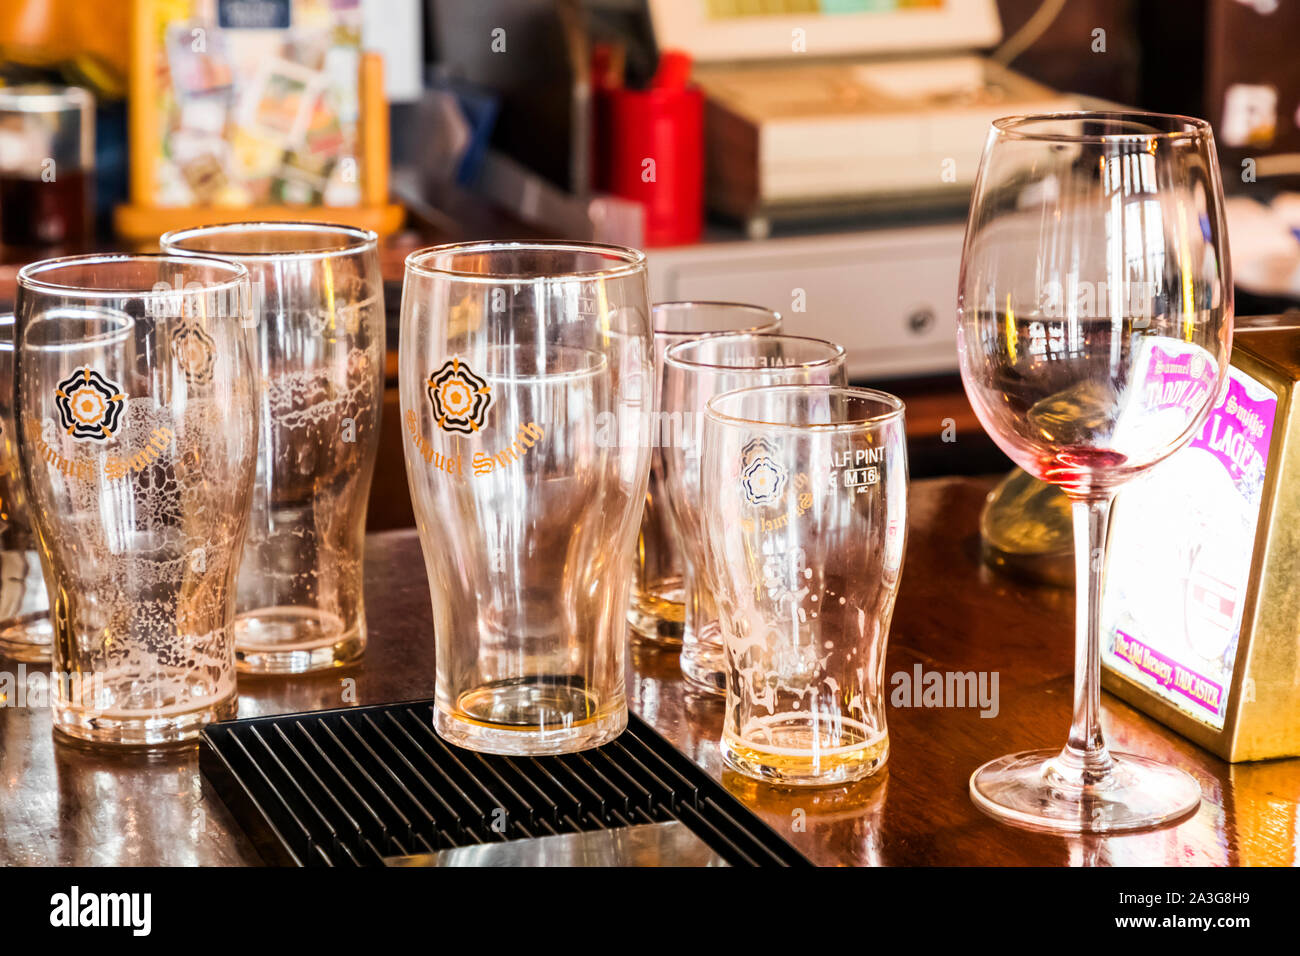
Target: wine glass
[(1094, 331)]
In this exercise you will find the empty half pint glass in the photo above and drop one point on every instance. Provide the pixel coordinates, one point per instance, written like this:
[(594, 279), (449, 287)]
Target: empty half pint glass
[(658, 608), (805, 517), (137, 441), (526, 392), (318, 302), (694, 372)]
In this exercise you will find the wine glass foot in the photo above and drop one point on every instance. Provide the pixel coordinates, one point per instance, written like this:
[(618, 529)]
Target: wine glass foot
[(1032, 789)]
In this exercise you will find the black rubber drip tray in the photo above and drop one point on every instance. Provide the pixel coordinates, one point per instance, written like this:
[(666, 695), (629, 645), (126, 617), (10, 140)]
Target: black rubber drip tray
[(352, 786)]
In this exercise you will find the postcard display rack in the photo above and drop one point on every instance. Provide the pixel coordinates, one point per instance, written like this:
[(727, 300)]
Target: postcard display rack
[(251, 111)]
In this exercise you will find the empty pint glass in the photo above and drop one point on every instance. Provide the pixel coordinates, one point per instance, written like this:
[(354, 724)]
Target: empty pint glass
[(137, 438), (318, 305), (805, 524), (525, 393)]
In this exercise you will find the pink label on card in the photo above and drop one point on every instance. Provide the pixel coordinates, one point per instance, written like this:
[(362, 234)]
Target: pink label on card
[(1238, 432), (1168, 673)]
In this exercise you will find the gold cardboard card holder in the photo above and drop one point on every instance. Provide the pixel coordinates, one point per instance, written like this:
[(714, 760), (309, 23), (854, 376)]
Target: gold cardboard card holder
[(1201, 609)]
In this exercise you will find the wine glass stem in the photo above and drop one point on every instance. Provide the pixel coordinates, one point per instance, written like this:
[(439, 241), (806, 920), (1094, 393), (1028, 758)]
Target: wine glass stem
[(1085, 760)]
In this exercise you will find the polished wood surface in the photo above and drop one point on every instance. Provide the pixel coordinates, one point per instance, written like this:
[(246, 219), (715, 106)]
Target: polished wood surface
[(955, 614), (61, 804)]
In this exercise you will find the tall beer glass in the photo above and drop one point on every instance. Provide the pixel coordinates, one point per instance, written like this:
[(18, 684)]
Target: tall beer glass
[(137, 441), (526, 392), (319, 304)]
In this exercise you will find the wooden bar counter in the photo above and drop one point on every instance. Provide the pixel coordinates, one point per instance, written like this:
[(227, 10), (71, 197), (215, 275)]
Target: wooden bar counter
[(63, 805)]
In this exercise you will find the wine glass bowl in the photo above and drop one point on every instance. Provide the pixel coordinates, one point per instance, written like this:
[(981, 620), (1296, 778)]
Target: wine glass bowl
[(1094, 240), (1094, 334)]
